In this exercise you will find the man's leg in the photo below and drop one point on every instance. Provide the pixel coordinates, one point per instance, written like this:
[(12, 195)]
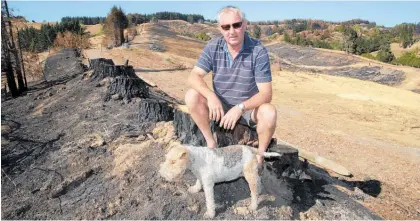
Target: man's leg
[(266, 117), (197, 106)]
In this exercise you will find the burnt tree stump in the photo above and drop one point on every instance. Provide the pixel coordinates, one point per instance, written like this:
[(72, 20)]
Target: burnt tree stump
[(185, 128), (101, 68), (188, 132), (99, 62), (123, 80), (151, 110), (126, 84)]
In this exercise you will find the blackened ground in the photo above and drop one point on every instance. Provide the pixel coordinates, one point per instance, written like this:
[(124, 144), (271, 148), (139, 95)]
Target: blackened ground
[(296, 58), (68, 154)]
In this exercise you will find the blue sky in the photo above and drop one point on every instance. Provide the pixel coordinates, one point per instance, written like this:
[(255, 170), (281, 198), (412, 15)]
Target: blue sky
[(383, 13)]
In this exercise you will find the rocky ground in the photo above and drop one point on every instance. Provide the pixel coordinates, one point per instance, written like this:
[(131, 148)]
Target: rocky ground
[(68, 154)]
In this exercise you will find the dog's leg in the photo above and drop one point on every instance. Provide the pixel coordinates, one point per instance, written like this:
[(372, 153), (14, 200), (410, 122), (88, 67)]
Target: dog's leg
[(196, 188), (208, 187), (254, 182)]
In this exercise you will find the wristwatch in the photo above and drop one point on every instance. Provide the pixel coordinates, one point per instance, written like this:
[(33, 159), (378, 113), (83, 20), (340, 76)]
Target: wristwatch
[(241, 106)]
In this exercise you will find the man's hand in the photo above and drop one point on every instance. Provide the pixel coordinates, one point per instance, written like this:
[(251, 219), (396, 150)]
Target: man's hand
[(231, 117), (215, 108)]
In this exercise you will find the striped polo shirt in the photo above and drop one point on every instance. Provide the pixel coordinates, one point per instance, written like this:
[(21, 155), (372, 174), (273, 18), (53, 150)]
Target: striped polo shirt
[(235, 81)]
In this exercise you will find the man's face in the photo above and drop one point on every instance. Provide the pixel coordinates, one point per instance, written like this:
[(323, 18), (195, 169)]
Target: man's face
[(234, 36)]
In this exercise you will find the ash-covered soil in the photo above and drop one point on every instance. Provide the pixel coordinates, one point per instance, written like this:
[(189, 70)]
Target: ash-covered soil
[(306, 59), (308, 56), (68, 154)]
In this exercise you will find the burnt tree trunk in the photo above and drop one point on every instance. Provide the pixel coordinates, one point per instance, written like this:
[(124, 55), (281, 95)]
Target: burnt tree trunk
[(125, 84), (186, 130), (101, 67), (6, 62), (13, 50), (151, 110), (21, 57), (95, 63)]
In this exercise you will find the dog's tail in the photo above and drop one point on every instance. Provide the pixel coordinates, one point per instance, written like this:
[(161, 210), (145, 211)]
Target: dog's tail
[(272, 154)]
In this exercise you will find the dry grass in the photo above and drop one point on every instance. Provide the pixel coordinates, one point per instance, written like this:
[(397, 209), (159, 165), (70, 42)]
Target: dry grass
[(369, 128), (130, 33), (71, 40), (20, 24), (128, 157), (398, 50), (94, 30), (33, 66)]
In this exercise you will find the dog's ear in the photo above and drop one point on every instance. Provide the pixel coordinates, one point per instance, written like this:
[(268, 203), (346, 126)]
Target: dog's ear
[(183, 153), (183, 156)]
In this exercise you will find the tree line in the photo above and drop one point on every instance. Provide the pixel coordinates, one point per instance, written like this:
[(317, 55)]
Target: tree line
[(136, 18), (84, 20), (38, 40), (360, 37), (355, 41)]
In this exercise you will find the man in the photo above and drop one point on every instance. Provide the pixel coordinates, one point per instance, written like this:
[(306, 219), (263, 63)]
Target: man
[(241, 82)]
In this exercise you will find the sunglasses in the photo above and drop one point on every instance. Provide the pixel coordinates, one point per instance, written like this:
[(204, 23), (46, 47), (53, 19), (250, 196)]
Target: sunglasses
[(234, 25)]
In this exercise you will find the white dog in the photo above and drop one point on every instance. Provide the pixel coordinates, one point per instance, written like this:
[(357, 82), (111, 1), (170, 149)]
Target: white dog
[(214, 165)]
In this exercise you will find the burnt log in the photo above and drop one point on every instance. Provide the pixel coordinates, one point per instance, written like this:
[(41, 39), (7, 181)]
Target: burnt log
[(151, 110)]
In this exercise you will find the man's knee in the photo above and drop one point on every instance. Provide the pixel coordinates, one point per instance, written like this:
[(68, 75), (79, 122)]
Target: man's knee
[(267, 113), (194, 100), (193, 97)]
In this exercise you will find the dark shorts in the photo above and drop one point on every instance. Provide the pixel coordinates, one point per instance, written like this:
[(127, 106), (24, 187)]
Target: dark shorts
[(246, 116)]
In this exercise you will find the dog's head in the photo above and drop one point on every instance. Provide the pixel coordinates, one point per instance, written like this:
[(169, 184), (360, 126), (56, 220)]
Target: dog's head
[(175, 164)]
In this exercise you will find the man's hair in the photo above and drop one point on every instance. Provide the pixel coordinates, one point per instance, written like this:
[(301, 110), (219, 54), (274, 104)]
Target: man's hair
[(230, 9)]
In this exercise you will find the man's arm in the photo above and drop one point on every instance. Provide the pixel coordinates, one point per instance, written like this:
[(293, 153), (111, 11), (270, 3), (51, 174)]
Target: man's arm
[(197, 82), (264, 95), (263, 80)]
